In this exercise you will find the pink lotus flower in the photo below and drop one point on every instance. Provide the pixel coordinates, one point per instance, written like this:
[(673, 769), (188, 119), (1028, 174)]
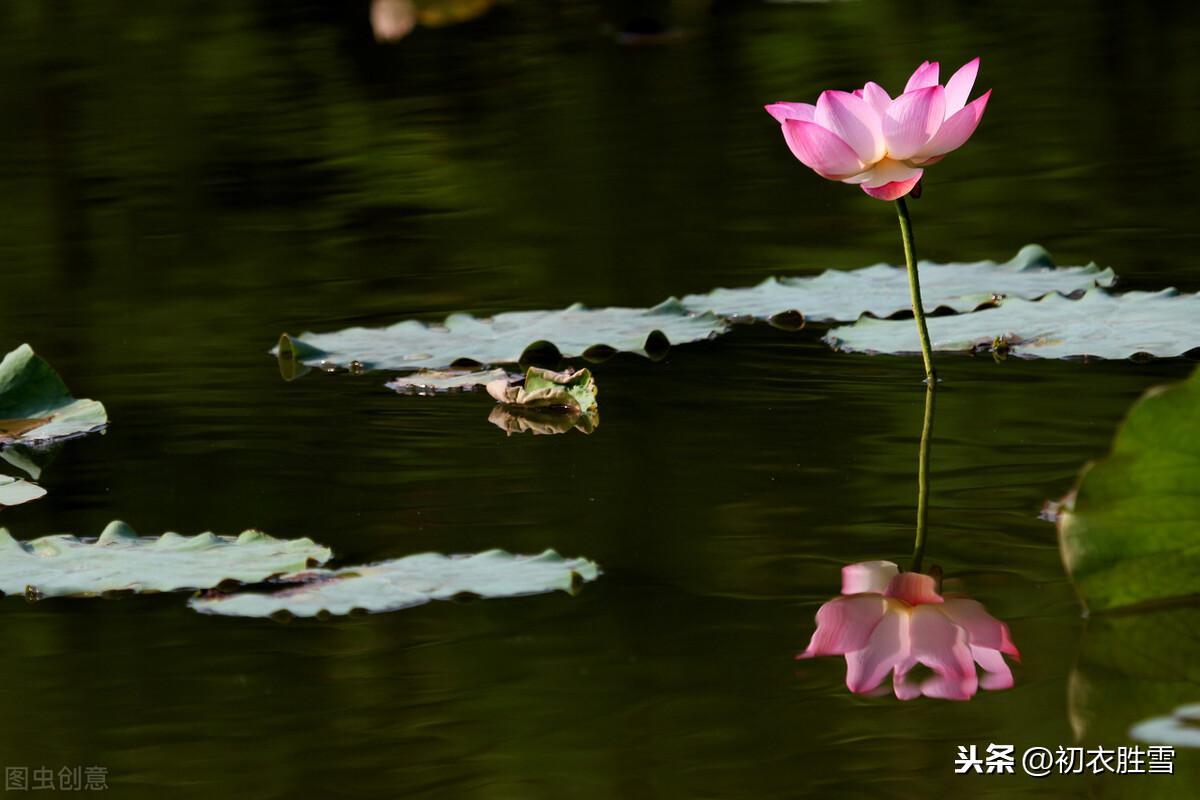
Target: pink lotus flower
[(866, 137), (888, 621)]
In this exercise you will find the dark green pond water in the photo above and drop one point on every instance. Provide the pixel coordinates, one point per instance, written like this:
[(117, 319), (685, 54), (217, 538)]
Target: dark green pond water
[(181, 183)]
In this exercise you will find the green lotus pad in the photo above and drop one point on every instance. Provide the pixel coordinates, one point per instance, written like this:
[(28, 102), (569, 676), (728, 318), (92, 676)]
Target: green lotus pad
[(121, 561), (14, 491), (1180, 728), (1128, 532), (406, 582), (882, 290), (504, 338), (1098, 324), (35, 406)]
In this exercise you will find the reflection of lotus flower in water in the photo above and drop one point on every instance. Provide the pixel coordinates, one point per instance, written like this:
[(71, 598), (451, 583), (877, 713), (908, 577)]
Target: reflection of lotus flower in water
[(888, 621), (867, 138), (393, 19)]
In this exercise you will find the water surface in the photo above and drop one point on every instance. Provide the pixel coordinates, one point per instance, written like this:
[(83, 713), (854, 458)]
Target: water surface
[(179, 185)]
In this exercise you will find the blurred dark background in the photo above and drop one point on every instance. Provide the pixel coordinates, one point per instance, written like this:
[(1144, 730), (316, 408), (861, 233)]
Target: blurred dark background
[(182, 181)]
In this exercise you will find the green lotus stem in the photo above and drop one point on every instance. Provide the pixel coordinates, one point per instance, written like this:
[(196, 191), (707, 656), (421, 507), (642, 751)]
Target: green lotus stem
[(914, 286), (923, 477)]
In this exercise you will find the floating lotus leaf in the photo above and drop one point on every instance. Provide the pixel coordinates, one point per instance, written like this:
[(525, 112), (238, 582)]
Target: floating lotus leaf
[(430, 381), (121, 561), (14, 491), (1128, 532), (1098, 324), (406, 582), (505, 338), (1180, 728), (882, 290), (35, 406)]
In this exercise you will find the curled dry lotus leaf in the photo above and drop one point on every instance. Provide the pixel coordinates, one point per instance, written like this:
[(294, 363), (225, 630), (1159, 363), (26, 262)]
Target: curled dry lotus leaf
[(1098, 324), (35, 406), (882, 290), (406, 582), (572, 390), (547, 402), (121, 561), (503, 339)]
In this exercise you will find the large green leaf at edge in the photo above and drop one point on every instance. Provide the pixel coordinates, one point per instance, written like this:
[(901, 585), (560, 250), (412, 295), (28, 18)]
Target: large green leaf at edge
[(35, 405), (407, 582), (1130, 532), (120, 560)]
